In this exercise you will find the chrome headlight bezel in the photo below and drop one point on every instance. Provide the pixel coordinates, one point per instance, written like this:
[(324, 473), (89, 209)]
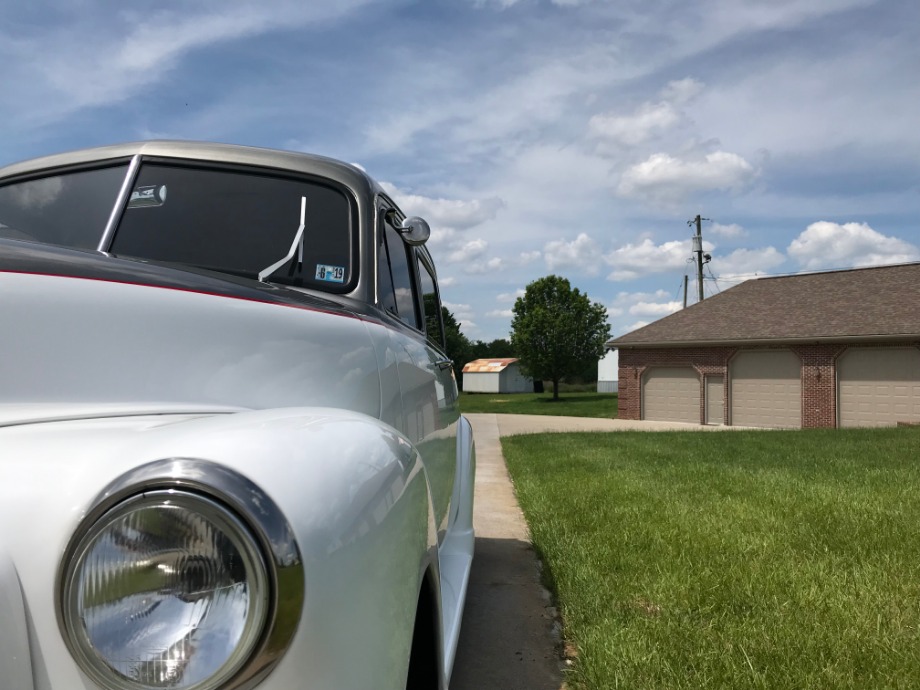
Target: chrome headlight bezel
[(230, 498)]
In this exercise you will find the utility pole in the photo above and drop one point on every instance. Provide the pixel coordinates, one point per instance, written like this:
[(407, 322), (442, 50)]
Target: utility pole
[(685, 291), (698, 250)]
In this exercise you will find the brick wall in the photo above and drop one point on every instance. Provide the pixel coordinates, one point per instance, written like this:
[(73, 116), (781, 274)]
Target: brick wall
[(706, 361), (819, 377), (819, 384)]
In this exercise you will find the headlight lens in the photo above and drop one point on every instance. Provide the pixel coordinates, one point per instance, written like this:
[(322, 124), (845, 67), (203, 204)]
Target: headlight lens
[(168, 589)]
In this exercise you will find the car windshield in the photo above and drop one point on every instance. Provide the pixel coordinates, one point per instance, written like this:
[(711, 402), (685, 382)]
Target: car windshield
[(293, 230), (70, 210)]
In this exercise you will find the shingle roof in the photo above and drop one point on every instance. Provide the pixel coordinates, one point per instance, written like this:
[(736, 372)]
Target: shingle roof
[(836, 305), (488, 366)]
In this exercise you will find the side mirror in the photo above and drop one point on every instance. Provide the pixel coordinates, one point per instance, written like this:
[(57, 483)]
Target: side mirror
[(415, 231)]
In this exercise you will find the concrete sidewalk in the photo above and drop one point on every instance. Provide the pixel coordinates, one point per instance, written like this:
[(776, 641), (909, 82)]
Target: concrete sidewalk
[(509, 638)]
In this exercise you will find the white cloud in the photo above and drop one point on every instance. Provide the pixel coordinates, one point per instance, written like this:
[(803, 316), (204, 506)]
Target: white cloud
[(832, 245), (582, 253), (655, 308), (467, 251), (650, 120), (682, 90), (730, 231), (655, 304), (529, 257), (493, 265), (664, 178), (450, 213), (501, 313), (461, 312), (752, 260), (634, 327), (743, 264), (633, 260), (90, 60), (510, 296)]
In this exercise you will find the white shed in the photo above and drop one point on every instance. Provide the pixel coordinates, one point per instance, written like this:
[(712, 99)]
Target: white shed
[(495, 376), (608, 373)]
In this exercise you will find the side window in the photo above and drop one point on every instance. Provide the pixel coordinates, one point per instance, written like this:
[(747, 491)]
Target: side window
[(402, 299), (385, 292), (432, 305)]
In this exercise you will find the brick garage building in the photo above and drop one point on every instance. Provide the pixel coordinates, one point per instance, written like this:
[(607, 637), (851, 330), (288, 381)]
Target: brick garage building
[(833, 349)]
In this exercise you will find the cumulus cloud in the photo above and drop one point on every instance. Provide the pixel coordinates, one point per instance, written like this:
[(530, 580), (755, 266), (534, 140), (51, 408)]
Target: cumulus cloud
[(682, 90), (582, 253), (833, 245), (730, 231), (456, 214), (630, 130), (744, 264), (655, 308), (656, 304), (510, 296), (493, 265), (467, 251), (752, 260), (529, 257), (464, 314), (633, 260), (501, 313), (665, 178), (634, 327)]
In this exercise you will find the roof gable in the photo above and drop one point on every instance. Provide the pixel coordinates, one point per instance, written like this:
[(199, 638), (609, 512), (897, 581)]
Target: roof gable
[(835, 305)]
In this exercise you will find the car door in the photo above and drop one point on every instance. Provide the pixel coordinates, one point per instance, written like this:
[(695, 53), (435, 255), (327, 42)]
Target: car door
[(408, 292)]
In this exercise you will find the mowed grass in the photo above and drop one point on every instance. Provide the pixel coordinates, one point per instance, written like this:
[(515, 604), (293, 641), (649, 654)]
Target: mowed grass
[(743, 559), (570, 404)]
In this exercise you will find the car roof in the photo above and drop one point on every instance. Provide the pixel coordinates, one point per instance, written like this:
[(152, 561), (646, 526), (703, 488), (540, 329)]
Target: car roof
[(346, 173)]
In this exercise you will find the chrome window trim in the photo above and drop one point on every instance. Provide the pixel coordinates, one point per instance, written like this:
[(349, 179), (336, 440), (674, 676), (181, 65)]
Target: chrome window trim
[(254, 509), (108, 235)]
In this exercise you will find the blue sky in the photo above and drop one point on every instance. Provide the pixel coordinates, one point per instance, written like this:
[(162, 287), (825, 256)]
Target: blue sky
[(574, 137)]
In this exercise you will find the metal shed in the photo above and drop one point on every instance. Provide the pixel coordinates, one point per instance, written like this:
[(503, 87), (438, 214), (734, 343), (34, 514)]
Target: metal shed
[(495, 376)]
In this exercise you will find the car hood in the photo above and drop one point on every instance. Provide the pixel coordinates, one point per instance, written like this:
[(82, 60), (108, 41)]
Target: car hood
[(82, 329)]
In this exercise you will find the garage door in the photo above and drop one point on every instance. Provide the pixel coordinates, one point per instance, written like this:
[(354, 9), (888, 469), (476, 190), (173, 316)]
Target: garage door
[(879, 386), (671, 394), (766, 389)]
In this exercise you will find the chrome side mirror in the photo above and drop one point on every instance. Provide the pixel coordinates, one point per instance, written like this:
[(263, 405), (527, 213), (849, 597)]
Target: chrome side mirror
[(415, 231)]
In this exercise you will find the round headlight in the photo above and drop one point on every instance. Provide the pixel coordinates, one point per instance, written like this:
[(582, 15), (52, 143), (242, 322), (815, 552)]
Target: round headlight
[(167, 589)]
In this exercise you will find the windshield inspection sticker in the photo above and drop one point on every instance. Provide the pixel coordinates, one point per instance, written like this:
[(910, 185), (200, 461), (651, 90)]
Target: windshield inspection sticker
[(330, 274), (152, 195)]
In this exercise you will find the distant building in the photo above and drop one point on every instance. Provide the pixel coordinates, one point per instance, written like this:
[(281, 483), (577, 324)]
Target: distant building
[(608, 372), (495, 376), (833, 349)]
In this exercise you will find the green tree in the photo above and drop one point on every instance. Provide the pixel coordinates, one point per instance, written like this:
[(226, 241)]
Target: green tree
[(459, 348), (557, 331), (495, 349)]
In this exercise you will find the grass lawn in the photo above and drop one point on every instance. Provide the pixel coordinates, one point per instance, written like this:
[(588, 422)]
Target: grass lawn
[(744, 559), (570, 403)]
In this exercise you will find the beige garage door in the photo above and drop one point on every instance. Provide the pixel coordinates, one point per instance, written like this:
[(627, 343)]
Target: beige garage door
[(766, 389), (671, 394), (879, 387)]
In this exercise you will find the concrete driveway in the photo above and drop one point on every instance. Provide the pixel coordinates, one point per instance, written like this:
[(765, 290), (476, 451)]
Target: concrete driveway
[(509, 637)]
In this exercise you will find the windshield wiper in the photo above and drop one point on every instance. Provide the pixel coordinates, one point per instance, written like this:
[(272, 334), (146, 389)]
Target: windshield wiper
[(296, 245)]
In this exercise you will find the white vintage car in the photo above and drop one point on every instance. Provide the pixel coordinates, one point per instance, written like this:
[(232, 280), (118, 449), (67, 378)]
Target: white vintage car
[(231, 454)]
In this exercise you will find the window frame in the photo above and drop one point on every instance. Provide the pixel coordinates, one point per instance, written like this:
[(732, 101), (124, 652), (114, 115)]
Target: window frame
[(268, 172)]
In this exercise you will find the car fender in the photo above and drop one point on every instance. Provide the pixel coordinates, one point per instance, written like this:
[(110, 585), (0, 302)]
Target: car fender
[(352, 489)]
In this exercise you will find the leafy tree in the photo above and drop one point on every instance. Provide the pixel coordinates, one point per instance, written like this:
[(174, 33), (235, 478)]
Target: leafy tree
[(557, 331), (498, 348), (459, 347)]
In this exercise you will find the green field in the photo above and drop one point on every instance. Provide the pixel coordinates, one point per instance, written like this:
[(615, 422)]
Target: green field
[(570, 403), (745, 559)]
